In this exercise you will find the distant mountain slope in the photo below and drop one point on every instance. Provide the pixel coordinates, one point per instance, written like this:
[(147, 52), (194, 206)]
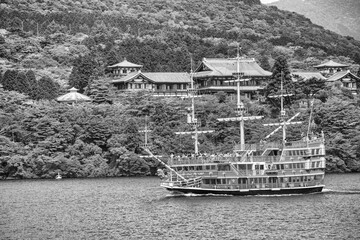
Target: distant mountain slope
[(340, 16)]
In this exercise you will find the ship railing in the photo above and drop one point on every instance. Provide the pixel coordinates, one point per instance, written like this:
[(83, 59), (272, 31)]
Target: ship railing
[(192, 182), (305, 143), (221, 158), (257, 146), (264, 158)]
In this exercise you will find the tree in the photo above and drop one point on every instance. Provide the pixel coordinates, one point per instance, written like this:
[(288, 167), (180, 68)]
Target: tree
[(33, 84), (309, 88), (84, 68), (112, 58), (9, 79), (130, 137), (264, 62), (48, 89), (99, 91), (21, 83), (280, 71), (54, 27)]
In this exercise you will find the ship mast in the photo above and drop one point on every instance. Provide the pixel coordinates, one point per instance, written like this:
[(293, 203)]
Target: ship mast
[(283, 123), (240, 109), (146, 131), (191, 120)]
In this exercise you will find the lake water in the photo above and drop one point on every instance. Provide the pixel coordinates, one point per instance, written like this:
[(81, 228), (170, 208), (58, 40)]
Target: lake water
[(137, 208)]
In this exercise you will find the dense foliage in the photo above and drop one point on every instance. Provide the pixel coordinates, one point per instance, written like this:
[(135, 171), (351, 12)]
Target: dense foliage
[(42, 138)]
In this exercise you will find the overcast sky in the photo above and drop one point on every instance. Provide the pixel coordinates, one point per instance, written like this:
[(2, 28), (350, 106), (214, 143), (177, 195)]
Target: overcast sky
[(268, 1)]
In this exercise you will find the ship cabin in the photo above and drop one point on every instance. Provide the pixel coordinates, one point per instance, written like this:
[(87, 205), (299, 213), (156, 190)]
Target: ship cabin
[(297, 164)]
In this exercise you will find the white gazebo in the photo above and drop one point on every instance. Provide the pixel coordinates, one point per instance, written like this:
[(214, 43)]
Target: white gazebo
[(73, 97)]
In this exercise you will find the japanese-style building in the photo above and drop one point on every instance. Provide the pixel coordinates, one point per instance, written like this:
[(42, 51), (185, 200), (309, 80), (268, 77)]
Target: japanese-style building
[(160, 83), (347, 80), (122, 69), (331, 67), (127, 76), (212, 74)]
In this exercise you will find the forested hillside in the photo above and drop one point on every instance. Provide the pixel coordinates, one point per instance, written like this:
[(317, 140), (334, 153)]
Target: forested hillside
[(46, 46), (161, 34), (340, 16)]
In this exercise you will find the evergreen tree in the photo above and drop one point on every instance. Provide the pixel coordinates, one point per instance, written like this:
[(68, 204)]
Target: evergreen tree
[(48, 89), (9, 79), (112, 58), (33, 85), (264, 62), (100, 92), (2, 39), (54, 27), (309, 88), (82, 72), (21, 83), (280, 71), (131, 137)]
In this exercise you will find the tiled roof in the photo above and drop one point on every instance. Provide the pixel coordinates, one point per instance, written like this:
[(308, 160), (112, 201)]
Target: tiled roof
[(339, 75), (126, 63), (157, 77), (308, 75), (226, 67), (331, 64)]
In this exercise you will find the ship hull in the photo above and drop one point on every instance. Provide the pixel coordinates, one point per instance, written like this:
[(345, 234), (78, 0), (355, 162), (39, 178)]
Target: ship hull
[(246, 192)]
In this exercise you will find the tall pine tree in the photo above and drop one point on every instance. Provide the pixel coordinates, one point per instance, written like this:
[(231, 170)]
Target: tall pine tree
[(9, 79), (33, 85), (280, 71), (48, 89), (83, 72), (21, 83)]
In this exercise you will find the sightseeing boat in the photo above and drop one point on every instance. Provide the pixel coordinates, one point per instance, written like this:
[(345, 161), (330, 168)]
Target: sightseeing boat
[(266, 168)]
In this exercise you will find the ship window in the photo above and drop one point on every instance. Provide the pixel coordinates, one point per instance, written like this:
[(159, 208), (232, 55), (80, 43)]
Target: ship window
[(218, 181), (286, 166), (297, 179), (198, 168), (185, 168), (318, 164), (207, 167), (261, 167), (241, 166), (223, 181), (249, 166), (206, 181), (213, 167), (191, 168), (179, 169)]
